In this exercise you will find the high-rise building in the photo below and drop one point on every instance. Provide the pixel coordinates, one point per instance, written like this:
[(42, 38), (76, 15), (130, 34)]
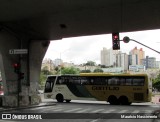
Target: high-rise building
[(122, 60), (136, 56), (58, 62), (133, 59), (149, 62), (108, 56)]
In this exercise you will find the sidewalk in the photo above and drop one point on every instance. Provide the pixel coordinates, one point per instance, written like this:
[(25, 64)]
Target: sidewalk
[(43, 103)]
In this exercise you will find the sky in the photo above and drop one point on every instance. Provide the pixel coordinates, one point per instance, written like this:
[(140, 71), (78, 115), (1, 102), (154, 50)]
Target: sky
[(79, 50)]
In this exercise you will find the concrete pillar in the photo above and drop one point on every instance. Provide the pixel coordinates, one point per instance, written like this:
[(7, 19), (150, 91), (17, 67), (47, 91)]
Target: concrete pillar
[(9, 78), (37, 51), (30, 66)]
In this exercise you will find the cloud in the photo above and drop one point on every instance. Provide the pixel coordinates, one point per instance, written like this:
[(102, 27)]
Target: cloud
[(82, 49)]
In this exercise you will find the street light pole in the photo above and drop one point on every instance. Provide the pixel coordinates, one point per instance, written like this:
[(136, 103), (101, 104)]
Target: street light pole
[(145, 46), (127, 39), (61, 60)]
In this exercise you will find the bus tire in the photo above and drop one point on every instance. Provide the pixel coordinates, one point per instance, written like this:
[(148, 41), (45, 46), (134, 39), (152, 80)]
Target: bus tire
[(124, 100), (59, 98), (113, 100), (68, 101)]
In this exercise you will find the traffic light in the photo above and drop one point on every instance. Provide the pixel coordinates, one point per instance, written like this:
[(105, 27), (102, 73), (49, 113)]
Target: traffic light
[(16, 67), (21, 76), (115, 41)]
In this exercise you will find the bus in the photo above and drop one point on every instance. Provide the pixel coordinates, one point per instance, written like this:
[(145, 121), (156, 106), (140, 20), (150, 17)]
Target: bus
[(117, 89)]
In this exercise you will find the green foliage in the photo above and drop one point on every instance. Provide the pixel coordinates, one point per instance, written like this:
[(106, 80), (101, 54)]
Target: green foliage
[(43, 75), (90, 63), (86, 71), (42, 79), (70, 70), (156, 82), (98, 70)]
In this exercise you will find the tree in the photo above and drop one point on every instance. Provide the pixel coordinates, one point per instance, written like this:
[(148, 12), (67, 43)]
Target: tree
[(70, 70), (86, 71), (43, 76), (103, 66), (98, 70), (156, 82), (90, 63)]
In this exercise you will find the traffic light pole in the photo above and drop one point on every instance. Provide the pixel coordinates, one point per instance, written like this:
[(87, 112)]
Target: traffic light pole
[(18, 89), (126, 39), (145, 45)]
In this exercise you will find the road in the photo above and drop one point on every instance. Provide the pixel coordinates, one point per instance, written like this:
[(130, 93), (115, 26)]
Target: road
[(90, 111)]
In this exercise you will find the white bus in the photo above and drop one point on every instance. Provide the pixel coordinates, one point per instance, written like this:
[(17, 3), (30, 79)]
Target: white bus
[(113, 88)]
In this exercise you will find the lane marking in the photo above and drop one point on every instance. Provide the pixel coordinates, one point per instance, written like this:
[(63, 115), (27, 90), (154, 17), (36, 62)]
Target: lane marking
[(51, 108), (97, 110), (73, 110), (109, 111), (136, 111), (123, 111), (83, 111)]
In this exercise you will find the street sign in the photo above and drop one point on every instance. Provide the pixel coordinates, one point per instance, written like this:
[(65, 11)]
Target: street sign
[(18, 51)]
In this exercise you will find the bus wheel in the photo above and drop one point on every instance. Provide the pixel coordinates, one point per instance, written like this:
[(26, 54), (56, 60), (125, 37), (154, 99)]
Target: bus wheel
[(68, 101), (59, 98), (113, 100), (123, 100)]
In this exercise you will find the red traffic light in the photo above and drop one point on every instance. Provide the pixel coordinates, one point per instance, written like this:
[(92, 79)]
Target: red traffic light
[(115, 36), (115, 41), (16, 67)]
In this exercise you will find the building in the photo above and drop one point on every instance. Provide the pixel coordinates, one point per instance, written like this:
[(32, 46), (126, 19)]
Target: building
[(136, 56), (108, 57), (122, 61), (47, 63), (58, 62), (133, 59), (157, 64), (149, 62)]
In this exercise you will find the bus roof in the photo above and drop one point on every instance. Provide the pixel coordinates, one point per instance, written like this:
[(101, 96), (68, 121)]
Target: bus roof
[(101, 74), (111, 74)]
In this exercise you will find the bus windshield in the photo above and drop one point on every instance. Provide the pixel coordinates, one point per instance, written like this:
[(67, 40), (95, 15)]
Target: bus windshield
[(49, 84)]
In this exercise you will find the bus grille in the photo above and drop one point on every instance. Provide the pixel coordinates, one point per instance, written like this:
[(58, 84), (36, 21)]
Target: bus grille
[(139, 96)]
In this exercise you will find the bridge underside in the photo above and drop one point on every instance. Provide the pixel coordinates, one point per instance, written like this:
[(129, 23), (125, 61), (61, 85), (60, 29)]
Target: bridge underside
[(30, 24), (50, 20)]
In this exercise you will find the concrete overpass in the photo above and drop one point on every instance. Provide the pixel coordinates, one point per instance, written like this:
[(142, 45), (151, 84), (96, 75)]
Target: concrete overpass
[(31, 24)]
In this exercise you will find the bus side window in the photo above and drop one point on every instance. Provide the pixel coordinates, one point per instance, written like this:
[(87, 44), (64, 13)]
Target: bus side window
[(128, 81), (59, 81), (103, 81), (91, 81), (97, 81), (48, 87), (138, 81), (122, 81), (84, 81), (113, 81)]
